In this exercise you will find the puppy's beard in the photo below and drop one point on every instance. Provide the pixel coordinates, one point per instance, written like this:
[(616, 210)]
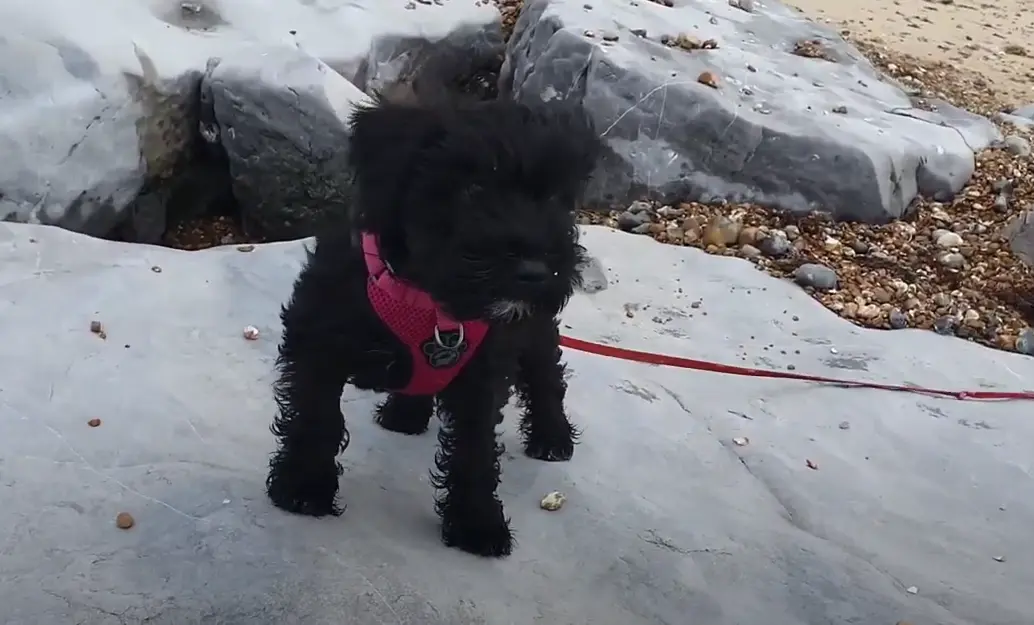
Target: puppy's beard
[(509, 310)]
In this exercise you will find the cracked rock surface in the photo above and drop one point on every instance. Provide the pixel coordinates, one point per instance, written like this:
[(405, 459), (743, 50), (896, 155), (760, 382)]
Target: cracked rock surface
[(99, 107), (705, 100), (694, 497)]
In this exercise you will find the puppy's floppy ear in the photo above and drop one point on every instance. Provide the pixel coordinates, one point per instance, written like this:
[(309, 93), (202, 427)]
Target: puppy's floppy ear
[(387, 140)]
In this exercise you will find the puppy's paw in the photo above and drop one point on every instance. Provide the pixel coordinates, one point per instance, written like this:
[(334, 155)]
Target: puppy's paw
[(405, 415), (309, 491), (559, 450), (482, 535)]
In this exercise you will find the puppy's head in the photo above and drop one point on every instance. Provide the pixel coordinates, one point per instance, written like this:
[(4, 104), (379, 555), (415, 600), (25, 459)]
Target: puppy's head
[(475, 202)]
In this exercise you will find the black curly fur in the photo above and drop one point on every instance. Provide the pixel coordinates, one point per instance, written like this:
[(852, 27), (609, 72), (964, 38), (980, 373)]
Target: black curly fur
[(461, 196)]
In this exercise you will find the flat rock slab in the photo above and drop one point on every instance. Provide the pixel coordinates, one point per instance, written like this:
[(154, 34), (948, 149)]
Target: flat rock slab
[(799, 131), (669, 518), (100, 103)]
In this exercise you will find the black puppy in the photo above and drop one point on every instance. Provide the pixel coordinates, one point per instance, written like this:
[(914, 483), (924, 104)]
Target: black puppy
[(443, 290)]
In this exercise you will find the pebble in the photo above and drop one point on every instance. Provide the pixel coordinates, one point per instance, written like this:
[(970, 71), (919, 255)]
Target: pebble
[(947, 240), (816, 276), (629, 220), (791, 232), (952, 260), (868, 311), (775, 245), (95, 422), (553, 501), (1025, 342), (709, 79), (722, 231), (898, 320), (744, 5), (1003, 185), (945, 325), (644, 228), (251, 333), (1017, 145), (1002, 203), (124, 521), (749, 251)]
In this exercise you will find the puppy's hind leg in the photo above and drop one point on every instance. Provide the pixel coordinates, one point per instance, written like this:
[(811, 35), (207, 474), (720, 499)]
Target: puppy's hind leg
[(309, 427), (541, 387), (405, 414)]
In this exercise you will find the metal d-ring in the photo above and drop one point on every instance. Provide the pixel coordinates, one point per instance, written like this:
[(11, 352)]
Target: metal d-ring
[(438, 338)]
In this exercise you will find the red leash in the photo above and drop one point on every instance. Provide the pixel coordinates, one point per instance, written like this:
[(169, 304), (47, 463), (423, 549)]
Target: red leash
[(703, 365)]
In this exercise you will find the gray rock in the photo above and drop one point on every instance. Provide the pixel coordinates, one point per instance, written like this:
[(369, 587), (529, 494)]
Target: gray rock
[(1017, 145), (1025, 342), (816, 276), (1002, 203), (1019, 122), (82, 143), (642, 228), (898, 320), (1020, 234), (282, 117), (775, 245), (631, 546), (677, 138), (628, 220), (1026, 111), (594, 278), (99, 131)]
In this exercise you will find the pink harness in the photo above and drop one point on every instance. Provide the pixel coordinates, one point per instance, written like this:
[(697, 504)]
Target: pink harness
[(439, 345)]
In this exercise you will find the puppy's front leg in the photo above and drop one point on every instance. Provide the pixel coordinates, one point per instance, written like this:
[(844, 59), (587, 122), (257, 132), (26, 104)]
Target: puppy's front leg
[(309, 427), (467, 464), (545, 428)]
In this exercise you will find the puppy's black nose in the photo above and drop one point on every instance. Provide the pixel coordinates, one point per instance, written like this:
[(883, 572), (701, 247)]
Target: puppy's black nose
[(532, 271)]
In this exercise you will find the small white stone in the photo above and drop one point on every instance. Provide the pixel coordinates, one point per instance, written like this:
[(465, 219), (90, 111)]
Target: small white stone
[(912, 590), (553, 501), (251, 333), (741, 441)]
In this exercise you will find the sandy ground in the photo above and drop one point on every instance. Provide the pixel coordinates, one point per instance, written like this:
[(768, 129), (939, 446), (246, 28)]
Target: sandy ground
[(994, 39)]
